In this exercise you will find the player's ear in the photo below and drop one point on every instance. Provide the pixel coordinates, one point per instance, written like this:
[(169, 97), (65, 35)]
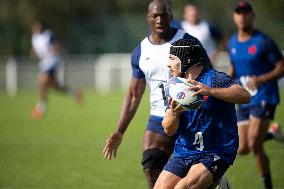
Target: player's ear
[(148, 17)]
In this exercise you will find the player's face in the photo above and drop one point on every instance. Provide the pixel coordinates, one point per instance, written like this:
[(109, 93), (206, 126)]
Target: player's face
[(243, 19), (174, 64), (37, 27), (191, 14), (159, 19)]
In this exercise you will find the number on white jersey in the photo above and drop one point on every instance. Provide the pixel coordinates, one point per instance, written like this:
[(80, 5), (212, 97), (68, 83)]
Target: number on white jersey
[(163, 93)]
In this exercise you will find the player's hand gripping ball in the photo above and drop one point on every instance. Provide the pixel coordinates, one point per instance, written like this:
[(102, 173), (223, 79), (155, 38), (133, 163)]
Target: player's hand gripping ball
[(180, 91)]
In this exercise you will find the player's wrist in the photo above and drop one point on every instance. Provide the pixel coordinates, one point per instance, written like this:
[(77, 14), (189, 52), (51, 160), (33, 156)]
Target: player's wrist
[(119, 132), (259, 80), (172, 113)]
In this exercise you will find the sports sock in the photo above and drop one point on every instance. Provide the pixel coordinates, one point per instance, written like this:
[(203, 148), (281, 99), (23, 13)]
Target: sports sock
[(267, 181), (41, 105)]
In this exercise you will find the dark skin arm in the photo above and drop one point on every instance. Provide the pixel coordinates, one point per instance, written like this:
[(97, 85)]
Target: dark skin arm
[(129, 107), (235, 94), (231, 71), (274, 74)]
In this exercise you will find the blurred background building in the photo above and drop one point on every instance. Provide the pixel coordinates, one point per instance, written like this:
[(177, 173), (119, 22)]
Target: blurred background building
[(99, 35)]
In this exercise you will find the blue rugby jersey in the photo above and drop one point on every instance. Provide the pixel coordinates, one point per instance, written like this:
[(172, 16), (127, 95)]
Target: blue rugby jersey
[(256, 56), (213, 127)]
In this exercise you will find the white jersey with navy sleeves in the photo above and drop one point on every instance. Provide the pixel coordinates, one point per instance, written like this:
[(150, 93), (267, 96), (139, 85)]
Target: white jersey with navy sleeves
[(149, 61), (42, 46), (202, 32)]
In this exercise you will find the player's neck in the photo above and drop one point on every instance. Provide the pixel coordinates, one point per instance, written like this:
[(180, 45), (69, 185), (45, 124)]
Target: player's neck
[(159, 39), (194, 72), (245, 34), (194, 22)]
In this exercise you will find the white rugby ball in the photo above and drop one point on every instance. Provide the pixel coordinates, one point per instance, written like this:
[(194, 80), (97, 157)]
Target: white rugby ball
[(180, 92)]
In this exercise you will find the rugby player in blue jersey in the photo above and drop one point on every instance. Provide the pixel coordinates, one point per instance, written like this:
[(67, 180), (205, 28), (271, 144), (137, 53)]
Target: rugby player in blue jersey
[(207, 135), (257, 63), (149, 67)]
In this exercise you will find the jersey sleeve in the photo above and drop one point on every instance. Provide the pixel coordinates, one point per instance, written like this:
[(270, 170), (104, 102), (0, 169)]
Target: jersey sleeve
[(135, 56), (176, 24), (222, 80), (52, 37), (273, 53)]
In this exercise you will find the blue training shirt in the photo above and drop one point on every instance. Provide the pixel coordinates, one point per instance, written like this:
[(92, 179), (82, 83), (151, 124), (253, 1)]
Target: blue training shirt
[(213, 127), (256, 56)]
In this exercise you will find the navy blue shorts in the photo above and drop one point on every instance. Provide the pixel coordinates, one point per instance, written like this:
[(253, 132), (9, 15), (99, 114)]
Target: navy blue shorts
[(155, 125), (259, 111), (181, 166), (51, 72)]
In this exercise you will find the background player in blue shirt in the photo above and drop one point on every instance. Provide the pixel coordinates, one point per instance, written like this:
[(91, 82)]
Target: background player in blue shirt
[(257, 63), (149, 67), (207, 137)]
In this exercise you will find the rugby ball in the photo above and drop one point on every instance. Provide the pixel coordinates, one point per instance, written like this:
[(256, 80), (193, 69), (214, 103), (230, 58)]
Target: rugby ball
[(180, 92)]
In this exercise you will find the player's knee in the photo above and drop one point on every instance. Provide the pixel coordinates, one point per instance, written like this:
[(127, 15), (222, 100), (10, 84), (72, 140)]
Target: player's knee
[(255, 146), (243, 150), (43, 79), (154, 159), (185, 183)]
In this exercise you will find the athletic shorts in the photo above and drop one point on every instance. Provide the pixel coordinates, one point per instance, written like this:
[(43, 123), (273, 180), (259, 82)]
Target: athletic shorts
[(259, 111), (49, 64), (181, 166), (51, 72), (155, 125)]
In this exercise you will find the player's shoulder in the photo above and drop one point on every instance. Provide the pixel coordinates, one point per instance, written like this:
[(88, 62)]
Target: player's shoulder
[(263, 37), (233, 39), (48, 33), (211, 74), (221, 79), (136, 52), (219, 74), (260, 34)]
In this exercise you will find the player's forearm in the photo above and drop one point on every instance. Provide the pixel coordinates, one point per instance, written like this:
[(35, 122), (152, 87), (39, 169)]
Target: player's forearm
[(275, 74), (129, 108), (235, 94), (231, 72), (170, 123)]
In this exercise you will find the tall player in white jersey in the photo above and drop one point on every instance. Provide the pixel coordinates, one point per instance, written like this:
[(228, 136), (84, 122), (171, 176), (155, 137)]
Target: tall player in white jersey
[(47, 49), (149, 67), (210, 37)]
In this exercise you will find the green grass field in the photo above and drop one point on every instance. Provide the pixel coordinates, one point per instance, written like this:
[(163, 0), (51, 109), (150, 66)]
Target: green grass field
[(63, 150)]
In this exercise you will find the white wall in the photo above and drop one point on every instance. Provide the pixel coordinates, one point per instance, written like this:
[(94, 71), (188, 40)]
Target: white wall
[(100, 72)]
